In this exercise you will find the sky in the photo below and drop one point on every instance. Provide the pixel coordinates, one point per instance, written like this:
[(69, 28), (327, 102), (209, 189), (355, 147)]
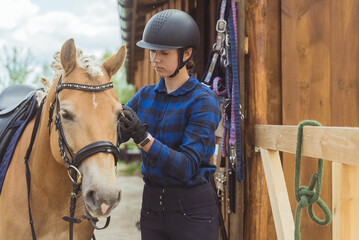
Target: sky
[(42, 26)]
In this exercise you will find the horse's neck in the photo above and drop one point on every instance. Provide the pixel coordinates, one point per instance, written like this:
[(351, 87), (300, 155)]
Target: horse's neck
[(50, 189)]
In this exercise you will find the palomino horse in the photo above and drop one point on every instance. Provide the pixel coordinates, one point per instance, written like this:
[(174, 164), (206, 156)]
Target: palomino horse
[(87, 117)]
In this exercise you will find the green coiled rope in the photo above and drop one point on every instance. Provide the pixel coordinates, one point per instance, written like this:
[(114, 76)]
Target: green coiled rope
[(307, 196)]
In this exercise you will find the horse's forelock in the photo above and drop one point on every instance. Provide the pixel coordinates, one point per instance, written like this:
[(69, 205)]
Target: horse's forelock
[(89, 63), (56, 65)]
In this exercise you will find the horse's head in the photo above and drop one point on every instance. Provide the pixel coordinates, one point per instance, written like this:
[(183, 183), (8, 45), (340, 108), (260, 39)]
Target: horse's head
[(89, 116)]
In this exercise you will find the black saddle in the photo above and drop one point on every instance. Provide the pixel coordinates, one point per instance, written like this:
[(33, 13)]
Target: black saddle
[(13, 95), (17, 104)]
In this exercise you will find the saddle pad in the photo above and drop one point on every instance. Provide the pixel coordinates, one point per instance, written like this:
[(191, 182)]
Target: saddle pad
[(15, 122)]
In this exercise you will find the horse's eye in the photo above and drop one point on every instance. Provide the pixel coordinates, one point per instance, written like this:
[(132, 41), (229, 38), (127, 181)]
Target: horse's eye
[(67, 116)]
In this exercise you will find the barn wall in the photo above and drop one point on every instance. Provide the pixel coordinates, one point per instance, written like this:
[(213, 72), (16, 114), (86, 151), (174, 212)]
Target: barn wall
[(320, 54), (302, 64)]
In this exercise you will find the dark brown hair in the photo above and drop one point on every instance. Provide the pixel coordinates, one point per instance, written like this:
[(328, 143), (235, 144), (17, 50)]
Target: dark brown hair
[(190, 65)]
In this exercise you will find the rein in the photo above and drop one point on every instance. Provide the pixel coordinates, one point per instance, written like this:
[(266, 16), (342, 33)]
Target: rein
[(76, 158), (27, 169)]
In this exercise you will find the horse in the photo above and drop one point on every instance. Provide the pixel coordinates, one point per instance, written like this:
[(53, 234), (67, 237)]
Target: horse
[(87, 110)]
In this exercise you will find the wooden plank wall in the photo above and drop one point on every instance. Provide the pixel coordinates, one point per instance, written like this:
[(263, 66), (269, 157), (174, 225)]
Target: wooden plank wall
[(344, 62), (320, 54)]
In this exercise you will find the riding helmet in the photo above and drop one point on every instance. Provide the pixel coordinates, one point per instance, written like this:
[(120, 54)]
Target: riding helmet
[(170, 29)]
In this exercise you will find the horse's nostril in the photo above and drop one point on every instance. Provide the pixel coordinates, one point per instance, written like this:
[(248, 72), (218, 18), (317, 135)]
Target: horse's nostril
[(90, 198)]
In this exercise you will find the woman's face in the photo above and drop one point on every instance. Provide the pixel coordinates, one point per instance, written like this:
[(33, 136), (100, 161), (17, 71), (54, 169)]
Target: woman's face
[(164, 61)]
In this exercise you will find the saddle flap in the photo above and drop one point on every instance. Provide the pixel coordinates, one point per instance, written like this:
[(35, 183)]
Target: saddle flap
[(12, 125)]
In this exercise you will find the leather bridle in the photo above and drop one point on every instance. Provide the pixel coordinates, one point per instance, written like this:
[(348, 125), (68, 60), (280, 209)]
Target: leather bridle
[(88, 150), (73, 161)]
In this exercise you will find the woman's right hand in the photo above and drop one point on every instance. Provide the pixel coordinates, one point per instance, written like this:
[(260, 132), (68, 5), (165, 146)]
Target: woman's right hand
[(131, 124)]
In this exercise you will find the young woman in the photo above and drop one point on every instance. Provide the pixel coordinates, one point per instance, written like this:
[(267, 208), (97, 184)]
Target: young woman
[(174, 123)]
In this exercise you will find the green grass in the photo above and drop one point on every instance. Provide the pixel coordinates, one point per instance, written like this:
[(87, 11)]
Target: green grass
[(129, 169), (130, 145)]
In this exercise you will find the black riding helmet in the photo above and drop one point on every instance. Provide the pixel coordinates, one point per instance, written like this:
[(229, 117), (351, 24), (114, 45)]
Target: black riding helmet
[(171, 29)]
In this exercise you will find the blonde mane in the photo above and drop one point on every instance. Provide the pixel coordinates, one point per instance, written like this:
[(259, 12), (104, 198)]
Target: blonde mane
[(89, 63)]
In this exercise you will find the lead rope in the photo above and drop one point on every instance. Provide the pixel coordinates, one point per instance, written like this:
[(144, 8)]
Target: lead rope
[(307, 196)]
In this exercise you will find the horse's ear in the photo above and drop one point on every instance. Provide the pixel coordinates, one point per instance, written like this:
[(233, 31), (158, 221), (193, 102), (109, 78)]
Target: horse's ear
[(115, 62), (68, 56)]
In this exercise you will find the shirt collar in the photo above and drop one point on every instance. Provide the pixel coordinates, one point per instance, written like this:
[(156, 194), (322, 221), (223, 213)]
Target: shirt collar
[(185, 88)]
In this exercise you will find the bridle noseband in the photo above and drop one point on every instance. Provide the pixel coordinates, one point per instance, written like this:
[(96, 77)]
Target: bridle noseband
[(73, 162)]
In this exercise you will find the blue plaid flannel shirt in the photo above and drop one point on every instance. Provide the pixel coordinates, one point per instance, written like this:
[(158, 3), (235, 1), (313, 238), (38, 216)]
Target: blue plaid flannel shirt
[(183, 124)]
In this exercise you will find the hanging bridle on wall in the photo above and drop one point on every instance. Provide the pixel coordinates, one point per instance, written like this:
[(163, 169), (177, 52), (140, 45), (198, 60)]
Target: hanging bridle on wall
[(222, 76), (73, 162)]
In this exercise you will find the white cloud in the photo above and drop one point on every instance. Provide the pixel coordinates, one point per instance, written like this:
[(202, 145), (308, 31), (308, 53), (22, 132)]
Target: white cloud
[(43, 29), (15, 12)]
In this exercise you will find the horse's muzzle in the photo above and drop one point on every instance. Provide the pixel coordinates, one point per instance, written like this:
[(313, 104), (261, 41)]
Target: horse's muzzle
[(100, 202)]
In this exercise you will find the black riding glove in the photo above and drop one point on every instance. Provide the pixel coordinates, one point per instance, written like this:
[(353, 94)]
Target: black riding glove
[(131, 125)]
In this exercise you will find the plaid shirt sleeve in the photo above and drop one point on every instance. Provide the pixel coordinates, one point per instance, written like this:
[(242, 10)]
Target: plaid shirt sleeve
[(197, 144)]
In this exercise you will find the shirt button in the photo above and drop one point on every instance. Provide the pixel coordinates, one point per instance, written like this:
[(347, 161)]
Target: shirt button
[(160, 197), (160, 202)]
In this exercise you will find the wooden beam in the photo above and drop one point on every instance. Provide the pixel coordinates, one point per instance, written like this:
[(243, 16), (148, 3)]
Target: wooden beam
[(339, 144), (152, 2), (278, 194)]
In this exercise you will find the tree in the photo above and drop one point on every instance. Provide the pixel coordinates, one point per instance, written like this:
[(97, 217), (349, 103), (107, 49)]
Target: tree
[(123, 90), (18, 63)]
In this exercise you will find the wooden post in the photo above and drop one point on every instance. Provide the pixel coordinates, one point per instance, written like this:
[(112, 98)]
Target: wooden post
[(263, 71), (278, 194)]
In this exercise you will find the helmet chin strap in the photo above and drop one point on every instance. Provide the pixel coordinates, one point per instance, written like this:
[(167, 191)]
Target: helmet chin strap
[(181, 63)]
